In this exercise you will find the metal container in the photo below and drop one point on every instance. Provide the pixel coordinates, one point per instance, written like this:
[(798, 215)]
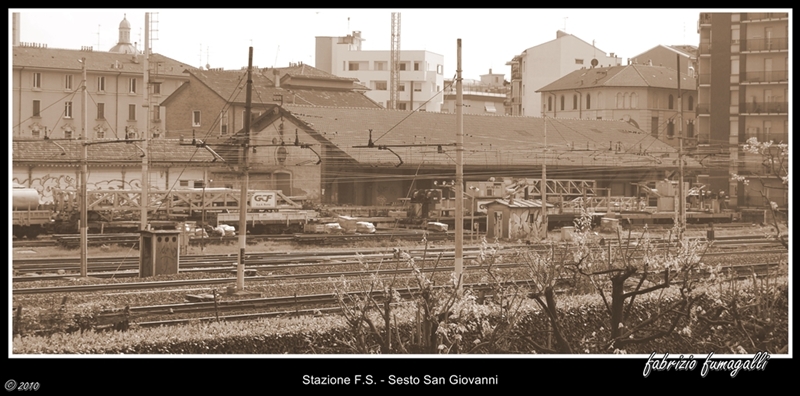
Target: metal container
[(25, 198)]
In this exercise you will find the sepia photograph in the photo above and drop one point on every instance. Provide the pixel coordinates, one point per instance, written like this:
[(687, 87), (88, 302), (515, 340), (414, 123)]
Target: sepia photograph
[(382, 197)]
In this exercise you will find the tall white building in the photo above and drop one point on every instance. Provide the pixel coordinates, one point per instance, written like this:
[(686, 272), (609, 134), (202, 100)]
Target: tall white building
[(540, 65), (421, 77)]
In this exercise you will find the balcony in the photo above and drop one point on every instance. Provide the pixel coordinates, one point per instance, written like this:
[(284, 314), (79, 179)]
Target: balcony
[(705, 19), (764, 108), (763, 44), (765, 16), (705, 48), (775, 76), (703, 108)]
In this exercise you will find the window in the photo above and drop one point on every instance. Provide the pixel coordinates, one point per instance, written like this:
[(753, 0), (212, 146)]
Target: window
[(765, 136), (352, 66), (670, 129), (101, 111), (489, 107), (380, 66), (654, 126), (691, 102), (578, 61), (690, 129), (401, 87), (416, 65), (401, 106), (68, 81), (35, 133), (223, 123), (380, 85), (670, 104), (417, 87), (574, 102), (101, 134), (68, 134), (156, 88), (402, 66), (132, 86), (549, 103), (37, 80), (184, 183), (131, 112), (156, 113), (37, 104), (440, 69), (68, 109), (562, 102), (196, 118), (634, 100), (588, 101), (101, 84)]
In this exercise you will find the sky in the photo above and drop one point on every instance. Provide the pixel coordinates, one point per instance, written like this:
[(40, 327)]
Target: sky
[(490, 37)]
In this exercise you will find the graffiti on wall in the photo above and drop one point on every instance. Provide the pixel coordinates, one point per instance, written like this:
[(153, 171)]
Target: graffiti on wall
[(48, 183), (525, 224)]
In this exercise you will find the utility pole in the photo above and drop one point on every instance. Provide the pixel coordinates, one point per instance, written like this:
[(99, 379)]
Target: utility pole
[(245, 176), (681, 192), (459, 254), (544, 179), (84, 176), (145, 197)]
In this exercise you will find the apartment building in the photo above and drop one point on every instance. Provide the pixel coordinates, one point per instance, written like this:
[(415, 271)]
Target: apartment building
[(743, 67), (47, 91), (421, 75), (486, 96), (540, 65), (644, 96)]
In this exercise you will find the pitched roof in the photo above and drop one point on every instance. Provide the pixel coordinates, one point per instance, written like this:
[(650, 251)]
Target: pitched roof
[(488, 140), (231, 85), (689, 51), (620, 76), (96, 61), (70, 151)]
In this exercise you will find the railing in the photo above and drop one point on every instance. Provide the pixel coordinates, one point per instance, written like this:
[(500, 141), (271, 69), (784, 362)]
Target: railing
[(703, 108), (705, 78), (766, 44), (764, 108), (601, 204), (767, 76), (755, 16)]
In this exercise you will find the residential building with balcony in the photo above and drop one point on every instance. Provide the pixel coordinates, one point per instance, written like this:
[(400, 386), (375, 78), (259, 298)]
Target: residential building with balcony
[(743, 67), (421, 75), (540, 65), (487, 96), (645, 96), (47, 91)]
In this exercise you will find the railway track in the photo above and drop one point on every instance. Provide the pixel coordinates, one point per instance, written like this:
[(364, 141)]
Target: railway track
[(306, 304)]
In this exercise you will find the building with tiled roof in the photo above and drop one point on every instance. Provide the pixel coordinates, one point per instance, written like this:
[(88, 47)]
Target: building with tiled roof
[(642, 95), (544, 63), (48, 164), (212, 103), (47, 98), (667, 55), (374, 156)]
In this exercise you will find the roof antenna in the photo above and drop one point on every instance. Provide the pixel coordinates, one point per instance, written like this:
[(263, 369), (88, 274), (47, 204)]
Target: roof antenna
[(565, 24)]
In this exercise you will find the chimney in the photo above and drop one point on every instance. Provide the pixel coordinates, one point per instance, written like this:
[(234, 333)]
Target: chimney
[(490, 71), (275, 77)]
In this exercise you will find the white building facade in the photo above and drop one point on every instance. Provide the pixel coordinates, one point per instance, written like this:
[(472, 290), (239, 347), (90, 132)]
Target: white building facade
[(421, 75), (540, 65)]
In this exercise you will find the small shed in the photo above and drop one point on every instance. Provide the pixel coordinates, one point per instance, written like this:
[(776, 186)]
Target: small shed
[(514, 218)]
